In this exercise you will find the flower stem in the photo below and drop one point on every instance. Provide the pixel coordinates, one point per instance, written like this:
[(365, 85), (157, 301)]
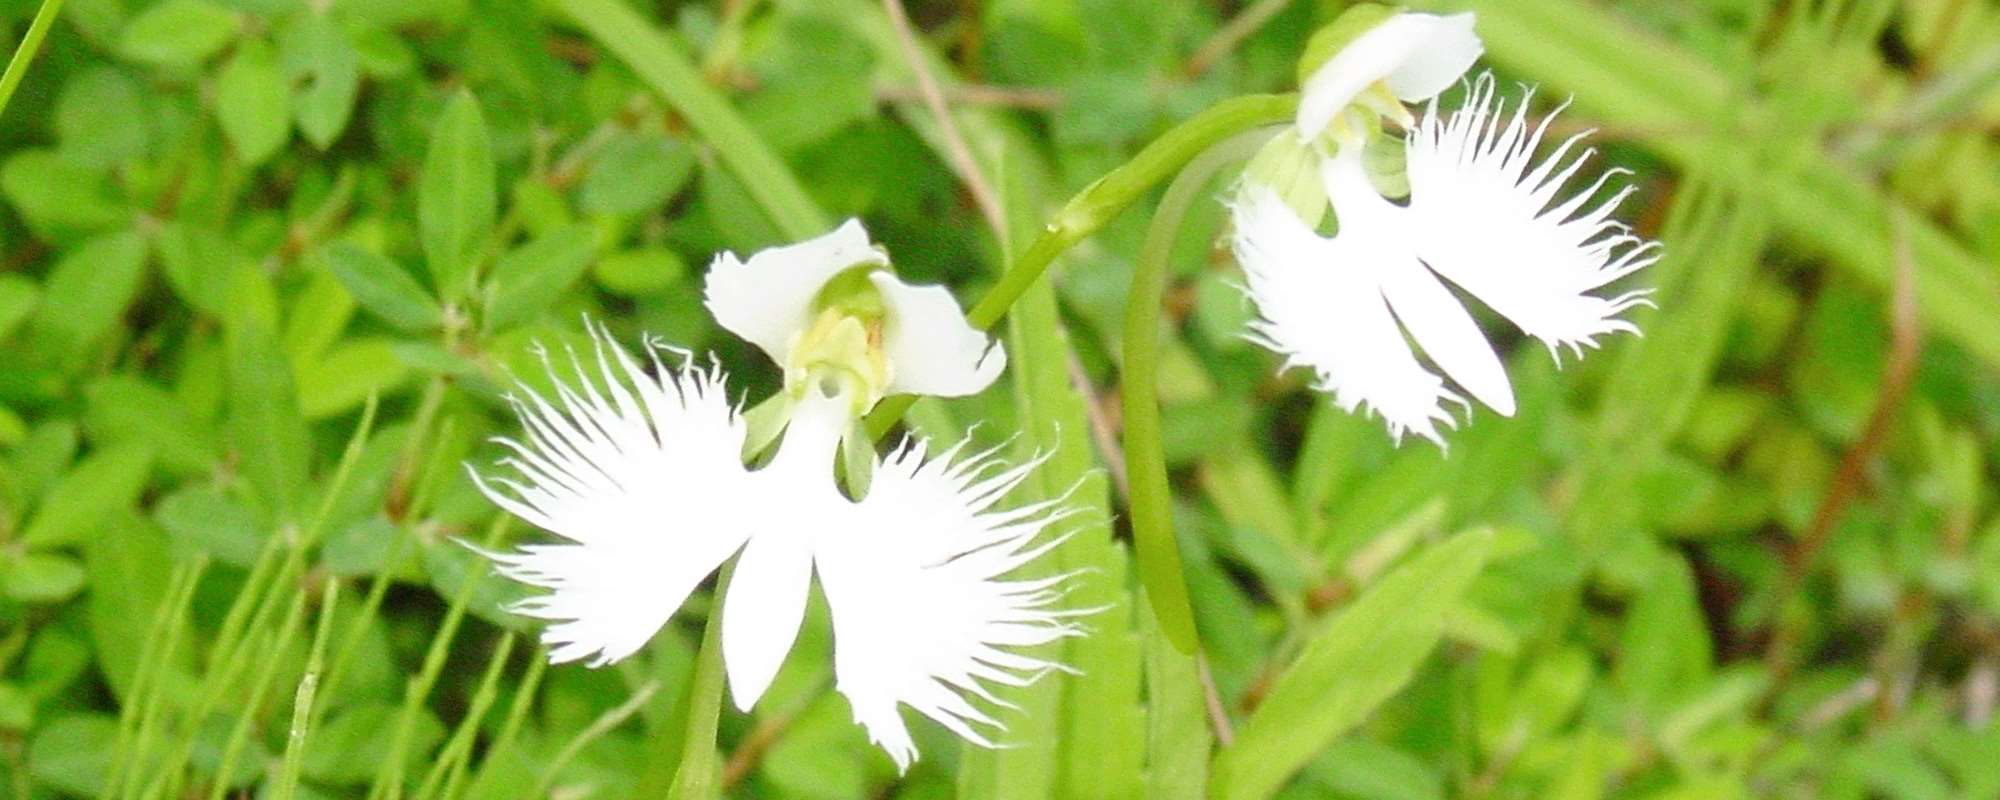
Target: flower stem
[(1151, 502), (17, 67), (664, 64), (1102, 201)]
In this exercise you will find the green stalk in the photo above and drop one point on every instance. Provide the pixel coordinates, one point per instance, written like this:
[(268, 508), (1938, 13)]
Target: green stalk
[(683, 763), (304, 699), (664, 64), (1150, 503), (17, 67), (1102, 201)]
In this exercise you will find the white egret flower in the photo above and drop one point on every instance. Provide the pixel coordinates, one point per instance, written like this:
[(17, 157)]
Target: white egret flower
[(1483, 214), (641, 476)]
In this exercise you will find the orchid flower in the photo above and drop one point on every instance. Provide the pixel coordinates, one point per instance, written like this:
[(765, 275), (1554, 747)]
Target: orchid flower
[(638, 467), (1483, 213)]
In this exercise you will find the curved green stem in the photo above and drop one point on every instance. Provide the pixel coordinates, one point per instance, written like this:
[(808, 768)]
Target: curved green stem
[(1101, 202), (17, 67), (1150, 504)]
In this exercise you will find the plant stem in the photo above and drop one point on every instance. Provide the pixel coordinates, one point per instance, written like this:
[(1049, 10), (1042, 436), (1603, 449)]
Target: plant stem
[(1102, 201), (1151, 502), (31, 43)]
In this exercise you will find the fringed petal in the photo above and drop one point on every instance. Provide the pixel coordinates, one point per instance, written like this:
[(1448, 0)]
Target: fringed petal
[(1491, 218), (923, 614), (640, 475)]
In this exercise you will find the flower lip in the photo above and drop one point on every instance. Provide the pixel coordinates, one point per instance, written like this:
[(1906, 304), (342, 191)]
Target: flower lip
[(1415, 55)]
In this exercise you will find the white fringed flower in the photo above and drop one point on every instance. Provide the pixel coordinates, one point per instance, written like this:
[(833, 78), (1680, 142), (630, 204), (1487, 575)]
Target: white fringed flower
[(640, 475), (1484, 214)]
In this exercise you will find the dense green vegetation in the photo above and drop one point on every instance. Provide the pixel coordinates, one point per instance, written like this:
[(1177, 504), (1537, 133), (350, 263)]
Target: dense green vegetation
[(267, 267)]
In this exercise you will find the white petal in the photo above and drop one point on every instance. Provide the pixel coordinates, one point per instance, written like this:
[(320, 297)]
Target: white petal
[(767, 593), (642, 478), (1493, 222), (769, 298), (922, 615), (766, 603), (1320, 305), (1418, 55), (932, 349), (1448, 335)]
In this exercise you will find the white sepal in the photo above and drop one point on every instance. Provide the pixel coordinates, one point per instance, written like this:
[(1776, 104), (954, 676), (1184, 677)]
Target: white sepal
[(932, 349), (768, 299), (1416, 55)]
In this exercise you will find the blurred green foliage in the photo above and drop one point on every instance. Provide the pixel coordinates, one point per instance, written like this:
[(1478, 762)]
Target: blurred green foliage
[(267, 266)]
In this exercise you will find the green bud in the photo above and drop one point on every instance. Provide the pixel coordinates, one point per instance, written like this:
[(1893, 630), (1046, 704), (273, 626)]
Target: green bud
[(1289, 167), (1335, 36), (856, 466), (1387, 165)]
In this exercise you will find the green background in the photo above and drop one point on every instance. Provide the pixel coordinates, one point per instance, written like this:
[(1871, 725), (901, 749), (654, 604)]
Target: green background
[(267, 267)]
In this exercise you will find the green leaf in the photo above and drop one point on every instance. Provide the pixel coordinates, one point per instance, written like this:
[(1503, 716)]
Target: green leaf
[(106, 482), (342, 378), (266, 429), (58, 197), (1354, 663), (321, 63), (40, 577), (128, 563), (101, 119), (197, 261), (456, 195), (18, 298), (634, 273), (202, 519), (349, 747), (527, 280), (86, 294), (125, 408), (634, 173), (178, 32), (382, 287), (74, 753), (253, 102)]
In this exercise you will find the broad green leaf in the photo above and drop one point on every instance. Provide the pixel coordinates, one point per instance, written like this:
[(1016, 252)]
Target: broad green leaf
[(201, 519), (456, 195), (1359, 659), (535, 275), (86, 294), (198, 261), (106, 482), (101, 119), (635, 173), (18, 298), (40, 577), (342, 378), (353, 743), (74, 753), (178, 32), (321, 64), (58, 198), (1664, 652), (253, 102), (268, 434), (383, 287), (635, 273), (128, 563), (124, 408)]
